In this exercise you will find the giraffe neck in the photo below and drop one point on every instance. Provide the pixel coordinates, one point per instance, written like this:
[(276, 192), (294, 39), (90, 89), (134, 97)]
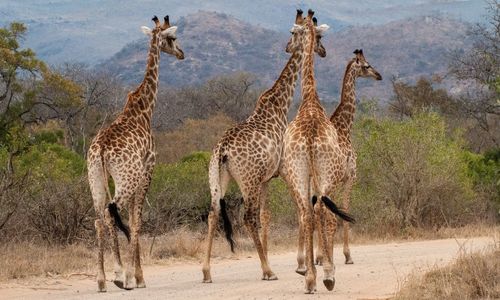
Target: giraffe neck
[(277, 100), (141, 102), (309, 93), (343, 117)]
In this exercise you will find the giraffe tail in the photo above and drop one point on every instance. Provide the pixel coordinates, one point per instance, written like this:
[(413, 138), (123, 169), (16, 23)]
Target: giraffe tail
[(112, 207), (336, 210), (228, 227), (113, 211)]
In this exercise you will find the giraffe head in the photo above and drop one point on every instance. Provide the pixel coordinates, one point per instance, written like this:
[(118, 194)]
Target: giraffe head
[(166, 35), (298, 32), (362, 67)]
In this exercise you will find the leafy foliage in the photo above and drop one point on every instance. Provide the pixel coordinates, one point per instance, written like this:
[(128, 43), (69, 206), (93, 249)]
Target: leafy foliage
[(412, 173)]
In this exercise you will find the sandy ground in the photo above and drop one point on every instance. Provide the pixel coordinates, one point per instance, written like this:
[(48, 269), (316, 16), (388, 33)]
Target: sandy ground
[(377, 273)]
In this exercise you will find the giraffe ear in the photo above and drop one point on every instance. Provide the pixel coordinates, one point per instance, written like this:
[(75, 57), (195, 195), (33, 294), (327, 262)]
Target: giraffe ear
[(321, 29), (296, 28), (146, 30), (170, 32)]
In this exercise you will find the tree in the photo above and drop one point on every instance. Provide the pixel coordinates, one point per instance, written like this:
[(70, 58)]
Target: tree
[(479, 71), (234, 95), (409, 100), (82, 100), (19, 69)]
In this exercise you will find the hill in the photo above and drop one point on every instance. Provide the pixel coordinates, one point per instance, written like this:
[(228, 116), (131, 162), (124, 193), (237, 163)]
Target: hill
[(216, 43), (91, 30)]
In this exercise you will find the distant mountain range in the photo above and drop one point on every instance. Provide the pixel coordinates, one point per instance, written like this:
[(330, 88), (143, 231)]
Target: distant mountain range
[(216, 43), (90, 31)]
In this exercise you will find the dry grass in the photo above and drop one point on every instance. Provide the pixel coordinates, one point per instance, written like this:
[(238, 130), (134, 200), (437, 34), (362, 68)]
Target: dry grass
[(21, 260), (412, 234), (471, 276)]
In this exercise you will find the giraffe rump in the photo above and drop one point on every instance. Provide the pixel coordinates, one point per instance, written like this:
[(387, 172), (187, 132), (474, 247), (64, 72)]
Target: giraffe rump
[(228, 228), (113, 211), (339, 212)]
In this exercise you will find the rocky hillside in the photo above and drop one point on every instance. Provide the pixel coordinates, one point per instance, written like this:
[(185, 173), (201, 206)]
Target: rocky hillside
[(217, 44), (89, 31)]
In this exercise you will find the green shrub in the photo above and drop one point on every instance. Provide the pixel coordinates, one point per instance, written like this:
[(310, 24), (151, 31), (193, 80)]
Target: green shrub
[(51, 199), (51, 162), (484, 170), (180, 194), (411, 173), (281, 204)]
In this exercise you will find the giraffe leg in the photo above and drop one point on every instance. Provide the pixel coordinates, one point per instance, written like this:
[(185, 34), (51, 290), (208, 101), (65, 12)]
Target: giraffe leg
[(331, 228), (346, 195), (219, 179), (265, 216), (138, 274), (134, 275), (307, 221), (213, 218), (328, 267), (115, 248), (130, 282), (345, 225), (318, 228), (251, 198), (301, 267), (101, 277), (97, 182), (137, 211)]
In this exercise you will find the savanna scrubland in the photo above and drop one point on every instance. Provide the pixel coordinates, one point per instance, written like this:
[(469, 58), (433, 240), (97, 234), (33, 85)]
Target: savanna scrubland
[(428, 161)]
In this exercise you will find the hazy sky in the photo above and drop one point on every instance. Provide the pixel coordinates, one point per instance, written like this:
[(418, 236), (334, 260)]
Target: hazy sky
[(95, 29)]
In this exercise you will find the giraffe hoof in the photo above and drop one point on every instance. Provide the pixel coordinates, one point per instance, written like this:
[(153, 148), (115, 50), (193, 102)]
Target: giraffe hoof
[(141, 285), (301, 271), (348, 259), (206, 275), (101, 286), (310, 284), (329, 283), (319, 261), (270, 276), (118, 283)]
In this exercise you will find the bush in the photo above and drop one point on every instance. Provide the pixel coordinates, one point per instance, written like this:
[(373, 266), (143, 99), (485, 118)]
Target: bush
[(412, 173), (472, 276), (53, 202), (281, 204), (180, 194), (484, 169), (61, 213)]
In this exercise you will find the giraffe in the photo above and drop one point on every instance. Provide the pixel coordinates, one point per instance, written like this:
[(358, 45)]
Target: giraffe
[(250, 153), (312, 164), (125, 151), (342, 119)]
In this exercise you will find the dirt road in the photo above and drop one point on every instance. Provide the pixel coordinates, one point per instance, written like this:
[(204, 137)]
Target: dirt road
[(377, 273)]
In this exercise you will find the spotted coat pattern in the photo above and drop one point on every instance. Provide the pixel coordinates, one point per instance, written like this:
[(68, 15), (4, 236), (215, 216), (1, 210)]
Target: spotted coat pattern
[(250, 153), (342, 119), (125, 151), (312, 162)]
